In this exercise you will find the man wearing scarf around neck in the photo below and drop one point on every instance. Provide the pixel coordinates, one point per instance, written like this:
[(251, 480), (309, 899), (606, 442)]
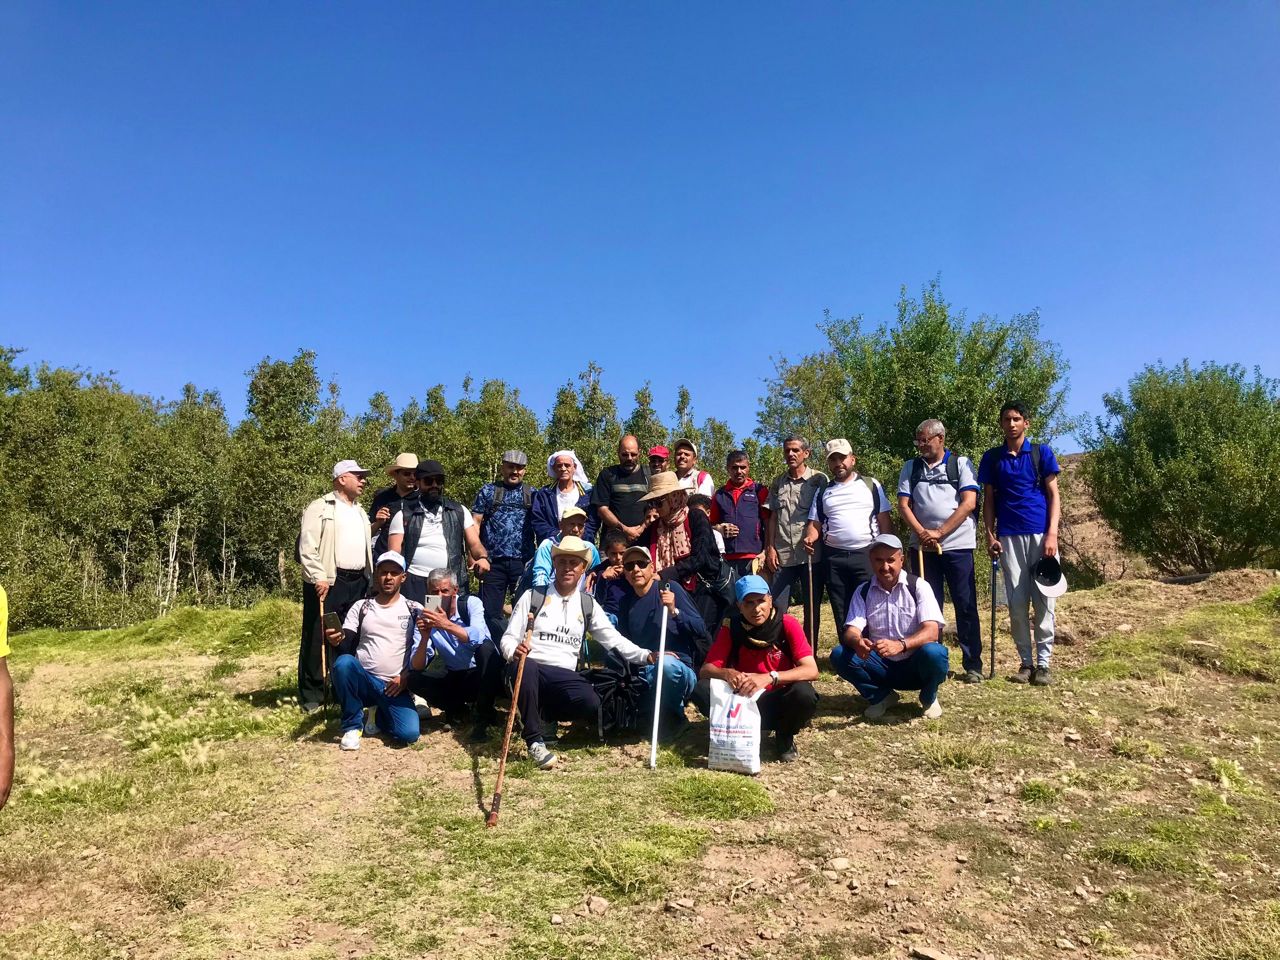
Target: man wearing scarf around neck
[(762, 649)]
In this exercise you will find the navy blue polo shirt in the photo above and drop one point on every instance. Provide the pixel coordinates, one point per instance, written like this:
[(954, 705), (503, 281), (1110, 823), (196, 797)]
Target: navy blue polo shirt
[(1021, 507)]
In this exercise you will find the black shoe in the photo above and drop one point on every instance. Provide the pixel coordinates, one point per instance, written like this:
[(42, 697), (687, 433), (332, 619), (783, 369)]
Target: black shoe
[(480, 733), (787, 751), (1042, 677), (1023, 675), (970, 676)]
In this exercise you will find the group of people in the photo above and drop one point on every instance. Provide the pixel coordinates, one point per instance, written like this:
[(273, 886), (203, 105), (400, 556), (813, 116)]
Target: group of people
[(387, 601)]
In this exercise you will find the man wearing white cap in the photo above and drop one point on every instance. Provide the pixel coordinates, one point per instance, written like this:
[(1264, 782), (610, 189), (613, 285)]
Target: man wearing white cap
[(389, 501), (382, 632), (334, 549), (890, 637), (848, 514), (691, 478), (562, 615)]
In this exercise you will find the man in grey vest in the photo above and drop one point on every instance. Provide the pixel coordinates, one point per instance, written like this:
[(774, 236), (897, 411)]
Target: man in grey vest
[(435, 532)]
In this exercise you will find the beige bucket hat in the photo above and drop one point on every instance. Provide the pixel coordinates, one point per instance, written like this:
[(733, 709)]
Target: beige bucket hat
[(661, 484)]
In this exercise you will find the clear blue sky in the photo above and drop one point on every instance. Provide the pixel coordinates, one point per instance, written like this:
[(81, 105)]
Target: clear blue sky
[(676, 191)]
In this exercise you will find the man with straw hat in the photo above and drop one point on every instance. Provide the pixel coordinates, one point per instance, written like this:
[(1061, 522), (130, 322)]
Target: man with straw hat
[(551, 687), (937, 495), (682, 544), (389, 501)]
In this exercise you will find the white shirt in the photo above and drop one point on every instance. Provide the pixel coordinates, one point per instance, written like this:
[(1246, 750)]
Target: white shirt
[(851, 522), (386, 635), (432, 552), (690, 482), (893, 614), (350, 524), (566, 499), (558, 631)]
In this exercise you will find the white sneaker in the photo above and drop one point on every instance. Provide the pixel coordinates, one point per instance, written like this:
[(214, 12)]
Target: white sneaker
[(371, 728), (540, 755), (933, 711), (351, 740), (878, 710)]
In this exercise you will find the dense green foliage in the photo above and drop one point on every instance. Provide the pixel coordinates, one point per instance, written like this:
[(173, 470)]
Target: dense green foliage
[(875, 386), (1186, 467), (120, 506)]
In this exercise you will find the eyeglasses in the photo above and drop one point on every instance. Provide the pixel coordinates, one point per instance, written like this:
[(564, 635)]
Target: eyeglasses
[(635, 565)]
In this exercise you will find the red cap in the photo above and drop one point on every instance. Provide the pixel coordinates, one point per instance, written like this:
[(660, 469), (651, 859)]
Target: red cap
[(659, 452)]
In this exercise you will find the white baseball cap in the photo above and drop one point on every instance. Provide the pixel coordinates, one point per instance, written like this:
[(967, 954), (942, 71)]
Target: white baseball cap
[(348, 466), (391, 556)]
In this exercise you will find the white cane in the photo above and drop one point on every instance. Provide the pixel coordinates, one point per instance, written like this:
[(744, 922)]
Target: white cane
[(657, 690)]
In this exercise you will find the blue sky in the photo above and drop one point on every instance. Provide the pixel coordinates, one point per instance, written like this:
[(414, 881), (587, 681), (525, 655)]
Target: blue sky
[(677, 191)]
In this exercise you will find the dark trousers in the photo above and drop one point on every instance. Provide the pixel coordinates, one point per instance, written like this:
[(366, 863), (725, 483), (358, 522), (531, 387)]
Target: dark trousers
[(956, 568), (842, 571), (796, 578), (553, 693), (501, 580), (453, 691), (347, 588), (788, 710)]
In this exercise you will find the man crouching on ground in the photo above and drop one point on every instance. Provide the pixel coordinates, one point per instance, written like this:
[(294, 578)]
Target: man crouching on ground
[(385, 630), (562, 615)]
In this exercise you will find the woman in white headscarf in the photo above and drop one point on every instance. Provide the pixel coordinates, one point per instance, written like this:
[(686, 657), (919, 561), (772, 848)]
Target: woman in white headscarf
[(568, 488)]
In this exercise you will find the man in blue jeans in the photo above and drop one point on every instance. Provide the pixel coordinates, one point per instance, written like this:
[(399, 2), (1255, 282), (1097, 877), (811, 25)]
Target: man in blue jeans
[(385, 630), (890, 640)]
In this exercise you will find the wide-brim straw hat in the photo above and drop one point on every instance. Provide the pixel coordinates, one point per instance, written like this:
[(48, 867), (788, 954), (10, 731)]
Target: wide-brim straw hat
[(572, 547), (405, 461), (661, 484)]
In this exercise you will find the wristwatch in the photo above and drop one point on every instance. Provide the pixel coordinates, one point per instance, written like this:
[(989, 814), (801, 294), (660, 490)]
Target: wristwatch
[(773, 676)]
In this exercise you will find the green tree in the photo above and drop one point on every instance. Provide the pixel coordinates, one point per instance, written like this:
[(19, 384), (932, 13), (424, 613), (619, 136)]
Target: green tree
[(585, 420), (644, 422), (1186, 466), (874, 386)]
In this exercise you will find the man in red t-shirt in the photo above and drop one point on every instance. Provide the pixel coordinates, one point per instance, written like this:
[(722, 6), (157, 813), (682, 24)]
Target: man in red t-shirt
[(762, 649)]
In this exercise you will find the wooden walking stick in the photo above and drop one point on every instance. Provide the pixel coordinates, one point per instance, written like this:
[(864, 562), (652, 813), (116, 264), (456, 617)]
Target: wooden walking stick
[(809, 611), (995, 566), (657, 690), (492, 819), (324, 663)]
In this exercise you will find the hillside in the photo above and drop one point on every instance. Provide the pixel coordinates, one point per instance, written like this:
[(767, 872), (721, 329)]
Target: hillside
[(172, 803)]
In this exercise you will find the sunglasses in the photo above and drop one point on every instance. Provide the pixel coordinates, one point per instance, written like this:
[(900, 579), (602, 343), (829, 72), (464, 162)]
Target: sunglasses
[(635, 565)]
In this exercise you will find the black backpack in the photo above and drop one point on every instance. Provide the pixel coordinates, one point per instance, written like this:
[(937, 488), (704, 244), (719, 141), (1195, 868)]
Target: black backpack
[(623, 695), (1037, 455), (913, 584), (952, 465)]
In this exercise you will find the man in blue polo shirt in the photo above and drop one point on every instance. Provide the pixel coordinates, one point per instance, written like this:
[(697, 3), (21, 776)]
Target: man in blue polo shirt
[(937, 494), (1020, 514)]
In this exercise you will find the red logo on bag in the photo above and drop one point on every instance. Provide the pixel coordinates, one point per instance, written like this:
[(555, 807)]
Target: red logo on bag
[(734, 712)]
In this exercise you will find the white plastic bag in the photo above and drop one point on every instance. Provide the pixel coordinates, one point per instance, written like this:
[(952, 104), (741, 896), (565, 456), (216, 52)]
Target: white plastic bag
[(735, 730)]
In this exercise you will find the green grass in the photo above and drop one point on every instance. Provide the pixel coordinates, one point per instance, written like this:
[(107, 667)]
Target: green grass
[(956, 753), (715, 797), (1037, 791)]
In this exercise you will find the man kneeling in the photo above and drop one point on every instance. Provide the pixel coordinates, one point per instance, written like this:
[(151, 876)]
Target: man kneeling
[(384, 630), (762, 649), (890, 640), (560, 615)]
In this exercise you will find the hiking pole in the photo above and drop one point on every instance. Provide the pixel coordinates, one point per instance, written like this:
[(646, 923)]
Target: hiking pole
[(920, 559), (492, 819), (808, 612), (995, 566), (324, 664), (657, 690)]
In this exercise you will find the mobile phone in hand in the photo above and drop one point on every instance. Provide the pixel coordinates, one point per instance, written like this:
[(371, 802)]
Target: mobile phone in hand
[(432, 602), (332, 622)]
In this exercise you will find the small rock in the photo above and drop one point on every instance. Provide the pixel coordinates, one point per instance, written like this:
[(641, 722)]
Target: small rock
[(961, 858), (598, 905), (681, 905), (1071, 736), (891, 882), (1124, 628), (928, 953), (1062, 943), (556, 920), (912, 928), (1082, 893), (831, 874), (839, 864), (766, 934)]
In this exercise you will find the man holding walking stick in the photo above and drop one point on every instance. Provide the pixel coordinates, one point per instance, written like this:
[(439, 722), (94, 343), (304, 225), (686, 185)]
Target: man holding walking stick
[(785, 515), (551, 688), (937, 496)]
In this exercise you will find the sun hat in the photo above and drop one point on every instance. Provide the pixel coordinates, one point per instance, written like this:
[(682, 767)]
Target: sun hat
[(840, 447), (661, 484), (403, 461), (571, 512), (748, 585), (1049, 578), (348, 466), (572, 547), (391, 556)]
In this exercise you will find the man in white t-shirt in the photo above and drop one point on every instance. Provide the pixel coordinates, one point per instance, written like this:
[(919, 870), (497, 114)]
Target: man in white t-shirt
[(561, 616), (691, 478), (937, 496), (334, 550), (848, 514), (384, 630), (436, 532)]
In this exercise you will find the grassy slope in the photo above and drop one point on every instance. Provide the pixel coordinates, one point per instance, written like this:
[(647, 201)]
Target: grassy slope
[(172, 803)]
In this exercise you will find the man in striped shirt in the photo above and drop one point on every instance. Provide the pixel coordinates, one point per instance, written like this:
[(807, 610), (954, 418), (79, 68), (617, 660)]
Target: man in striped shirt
[(890, 639)]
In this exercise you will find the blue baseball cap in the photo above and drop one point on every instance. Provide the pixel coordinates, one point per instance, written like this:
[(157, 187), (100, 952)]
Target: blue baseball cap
[(748, 585)]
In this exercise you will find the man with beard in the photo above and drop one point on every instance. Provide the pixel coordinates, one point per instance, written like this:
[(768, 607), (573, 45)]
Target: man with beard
[(502, 510), (619, 489), (762, 649), (389, 501), (435, 532)]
